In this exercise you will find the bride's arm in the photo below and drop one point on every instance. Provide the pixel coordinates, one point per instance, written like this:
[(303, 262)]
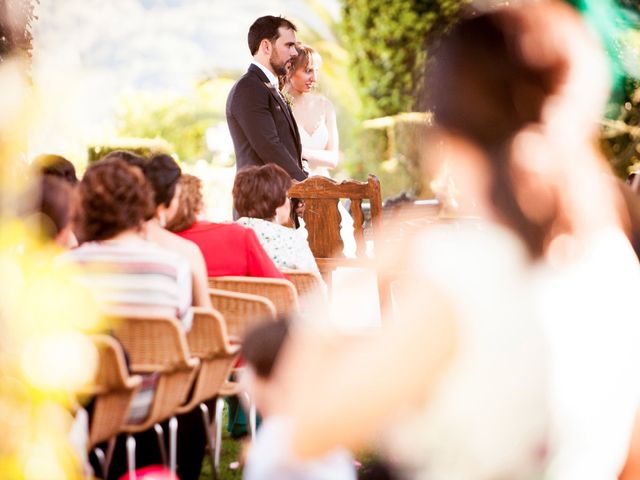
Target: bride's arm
[(346, 393), (330, 155)]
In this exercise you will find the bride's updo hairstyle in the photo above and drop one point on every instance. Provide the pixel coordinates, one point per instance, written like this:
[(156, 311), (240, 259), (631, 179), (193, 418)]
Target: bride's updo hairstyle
[(305, 55), (500, 75)]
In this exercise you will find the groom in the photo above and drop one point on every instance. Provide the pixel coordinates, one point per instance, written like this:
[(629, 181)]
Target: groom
[(260, 120)]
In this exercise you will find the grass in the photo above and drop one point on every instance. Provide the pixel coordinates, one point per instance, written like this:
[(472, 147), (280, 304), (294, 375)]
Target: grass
[(230, 453)]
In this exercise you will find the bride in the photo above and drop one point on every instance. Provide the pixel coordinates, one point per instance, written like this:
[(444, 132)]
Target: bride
[(316, 119)]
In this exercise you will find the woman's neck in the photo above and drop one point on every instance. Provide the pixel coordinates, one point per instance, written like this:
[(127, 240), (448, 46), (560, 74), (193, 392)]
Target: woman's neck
[(296, 94), (132, 234)]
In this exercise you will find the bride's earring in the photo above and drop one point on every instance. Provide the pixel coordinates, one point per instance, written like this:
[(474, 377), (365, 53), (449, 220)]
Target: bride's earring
[(162, 219)]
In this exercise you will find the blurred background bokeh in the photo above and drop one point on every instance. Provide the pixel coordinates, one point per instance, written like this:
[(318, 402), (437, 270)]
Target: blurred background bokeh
[(81, 77)]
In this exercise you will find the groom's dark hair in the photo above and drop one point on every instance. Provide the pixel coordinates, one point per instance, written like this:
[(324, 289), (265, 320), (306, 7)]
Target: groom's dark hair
[(266, 27)]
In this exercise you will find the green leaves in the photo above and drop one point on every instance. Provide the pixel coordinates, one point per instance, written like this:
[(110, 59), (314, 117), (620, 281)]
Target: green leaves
[(386, 40)]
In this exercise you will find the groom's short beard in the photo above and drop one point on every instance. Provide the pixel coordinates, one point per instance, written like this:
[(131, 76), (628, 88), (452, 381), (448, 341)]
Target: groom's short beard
[(280, 69)]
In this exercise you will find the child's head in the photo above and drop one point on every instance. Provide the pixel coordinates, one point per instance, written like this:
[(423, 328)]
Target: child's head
[(260, 350)]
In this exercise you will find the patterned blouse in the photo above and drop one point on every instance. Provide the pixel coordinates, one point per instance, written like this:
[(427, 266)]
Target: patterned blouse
[(286, 246)]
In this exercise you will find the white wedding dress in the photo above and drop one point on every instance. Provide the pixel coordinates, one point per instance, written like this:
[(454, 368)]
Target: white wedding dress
[(318, 140)]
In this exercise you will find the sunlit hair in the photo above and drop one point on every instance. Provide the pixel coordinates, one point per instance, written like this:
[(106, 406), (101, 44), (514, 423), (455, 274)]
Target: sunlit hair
[(508, 69), (305, 55), (112, 197), (190, 203), (259, 191), (56, 165)]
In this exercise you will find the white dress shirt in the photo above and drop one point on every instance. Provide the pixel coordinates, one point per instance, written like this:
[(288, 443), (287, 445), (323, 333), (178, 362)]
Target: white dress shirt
[(273, 80)]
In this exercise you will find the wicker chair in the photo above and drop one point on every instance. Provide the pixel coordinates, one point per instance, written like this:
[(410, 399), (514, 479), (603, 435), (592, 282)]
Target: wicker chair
[(209, 342), (306, 282), (158, 345), (112, 392), (280, 291), (241, 311)]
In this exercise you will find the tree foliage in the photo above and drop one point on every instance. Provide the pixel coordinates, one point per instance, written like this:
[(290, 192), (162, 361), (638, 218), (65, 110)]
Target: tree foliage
[(181, 119), (386, 40)]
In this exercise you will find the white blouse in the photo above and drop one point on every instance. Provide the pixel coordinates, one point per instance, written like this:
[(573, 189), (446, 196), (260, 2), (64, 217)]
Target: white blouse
[(286, 247)]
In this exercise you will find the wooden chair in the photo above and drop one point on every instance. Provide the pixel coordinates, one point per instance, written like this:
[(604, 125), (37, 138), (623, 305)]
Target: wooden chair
[(158, 345), (112, 392), (281, 292), (209, 342), (322, 221)]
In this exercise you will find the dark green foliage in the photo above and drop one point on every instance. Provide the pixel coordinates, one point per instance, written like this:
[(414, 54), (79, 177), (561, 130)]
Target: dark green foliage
[(386, 40), (140, 146), (620, 139)]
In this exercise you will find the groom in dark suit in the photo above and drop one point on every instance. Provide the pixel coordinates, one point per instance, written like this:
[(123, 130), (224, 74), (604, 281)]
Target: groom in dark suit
[(260, 120)]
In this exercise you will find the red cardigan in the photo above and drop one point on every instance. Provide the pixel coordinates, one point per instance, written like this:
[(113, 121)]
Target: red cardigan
[(231, 249)]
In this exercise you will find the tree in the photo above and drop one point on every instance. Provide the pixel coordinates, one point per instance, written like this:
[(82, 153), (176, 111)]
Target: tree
[(386, 40)]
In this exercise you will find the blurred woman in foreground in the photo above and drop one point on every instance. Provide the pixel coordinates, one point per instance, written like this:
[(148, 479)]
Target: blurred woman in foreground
[(511, 355)]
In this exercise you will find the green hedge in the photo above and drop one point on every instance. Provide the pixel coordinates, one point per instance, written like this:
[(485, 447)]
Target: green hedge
[(141, 146)]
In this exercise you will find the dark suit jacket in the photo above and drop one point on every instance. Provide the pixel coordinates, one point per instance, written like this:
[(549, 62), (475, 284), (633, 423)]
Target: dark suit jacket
[(262, 126)]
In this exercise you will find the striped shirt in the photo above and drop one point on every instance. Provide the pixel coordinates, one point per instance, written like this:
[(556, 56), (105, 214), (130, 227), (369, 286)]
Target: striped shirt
[(135, 276)]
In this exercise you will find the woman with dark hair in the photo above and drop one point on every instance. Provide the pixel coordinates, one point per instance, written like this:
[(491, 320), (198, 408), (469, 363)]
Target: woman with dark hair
[(163, 174), (260, 198), (54, 206), (57, 166), (228, 249), (499, 320), (114, 202)]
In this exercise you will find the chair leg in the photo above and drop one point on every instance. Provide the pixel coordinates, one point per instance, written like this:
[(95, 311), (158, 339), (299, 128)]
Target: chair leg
[(252, 416), (101, 460), (218, 420), (206, 419), (163, 451), (107, 463), (173, 444), (131, 456)]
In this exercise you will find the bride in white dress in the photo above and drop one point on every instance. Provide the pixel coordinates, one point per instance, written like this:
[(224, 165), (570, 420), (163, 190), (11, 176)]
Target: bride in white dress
[(316, 119)]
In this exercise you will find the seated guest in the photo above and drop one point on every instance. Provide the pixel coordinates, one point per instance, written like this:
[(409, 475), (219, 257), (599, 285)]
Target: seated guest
[(190, 205), (56, 165), (163, 174), (131, 158), (228, 249), (260, 198), (127, 272), (271, 456), (53, 208)]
